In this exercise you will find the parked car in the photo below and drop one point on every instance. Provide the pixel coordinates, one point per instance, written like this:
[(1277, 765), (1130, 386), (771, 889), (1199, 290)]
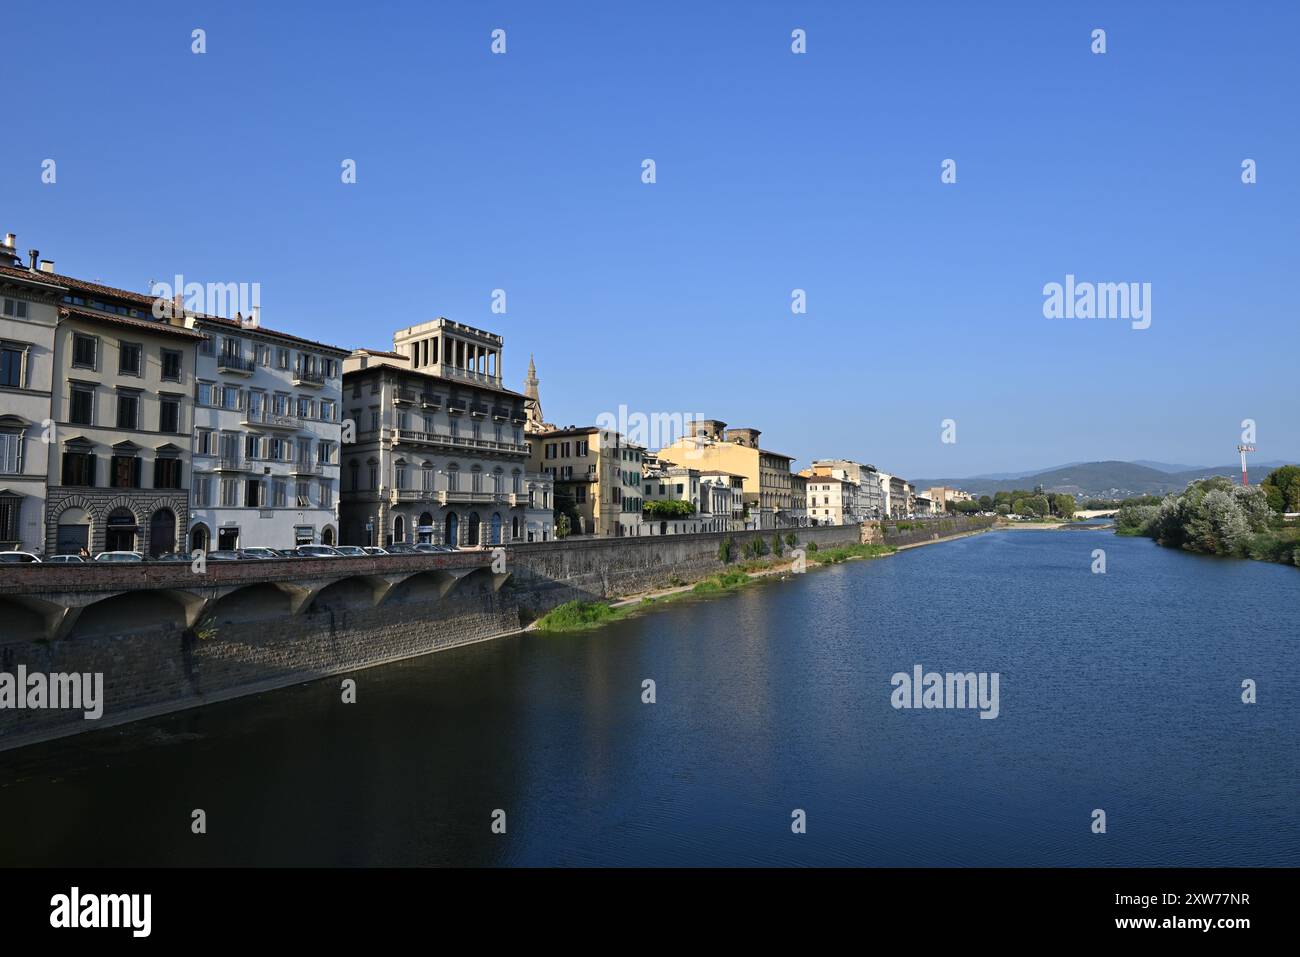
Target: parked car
[(350, 551), (429, 548), (401, 548), (375, 550), (224, 555), (65, 560), (14, 558), (259, 551), (171, 557), (119, 557), (287, 552), (318, 551)]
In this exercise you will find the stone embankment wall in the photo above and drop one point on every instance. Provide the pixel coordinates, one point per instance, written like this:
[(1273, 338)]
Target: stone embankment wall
[(165, 639)]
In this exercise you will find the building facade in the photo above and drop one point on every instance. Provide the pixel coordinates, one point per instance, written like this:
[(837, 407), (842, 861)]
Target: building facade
[(29, 312), (122, 410), (267, 435), (768, 485), (440, 453), (597, 477)]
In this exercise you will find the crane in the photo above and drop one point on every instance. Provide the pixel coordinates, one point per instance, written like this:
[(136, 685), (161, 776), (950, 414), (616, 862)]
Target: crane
[(1243, 449)]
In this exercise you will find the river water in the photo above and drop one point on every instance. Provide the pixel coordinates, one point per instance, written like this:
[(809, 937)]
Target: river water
[(1118, 691)]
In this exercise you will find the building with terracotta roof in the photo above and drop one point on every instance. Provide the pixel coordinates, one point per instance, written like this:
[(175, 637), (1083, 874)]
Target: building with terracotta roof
[(117, 432)]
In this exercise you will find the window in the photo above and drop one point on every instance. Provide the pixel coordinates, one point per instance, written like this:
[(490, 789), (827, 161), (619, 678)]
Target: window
[(166, 472), (11, 454), (171, 365), (580, 494), (79, 468), (11, 365), (10, 505), (256, 404), (253, 493), (374, 421), (325, 452), (169, 414), (84, 350), (128, 410), (400, 478), (206, 346), (374, 475), (229, 397), (327, 410), (326, 494), (280, 490), (281, 358), (82, 405), (205, 394), (230, 492), (128, 358), (15, 309), (124, 471), (304, 408), (202, 491), (251, 447), (302, 492)]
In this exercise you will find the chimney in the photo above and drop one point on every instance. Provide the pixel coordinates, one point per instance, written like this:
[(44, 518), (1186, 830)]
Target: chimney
[(11, 240), (255, 319), (32, 254), (9, 252), (47, 265)]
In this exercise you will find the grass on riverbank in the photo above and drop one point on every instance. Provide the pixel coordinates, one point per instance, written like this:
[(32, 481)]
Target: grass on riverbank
[(580, 615), (833, 556)]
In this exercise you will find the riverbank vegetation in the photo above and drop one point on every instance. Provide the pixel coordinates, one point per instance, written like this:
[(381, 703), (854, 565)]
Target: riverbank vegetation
[(842, 553), (1215, 517)]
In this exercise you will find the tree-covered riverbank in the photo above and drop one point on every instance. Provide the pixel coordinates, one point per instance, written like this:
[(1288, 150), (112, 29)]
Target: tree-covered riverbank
[(1215, 517)]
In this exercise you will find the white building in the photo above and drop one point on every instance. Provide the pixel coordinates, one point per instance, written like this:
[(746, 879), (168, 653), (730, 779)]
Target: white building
[(29, 313), (267, 428), (539, 518)]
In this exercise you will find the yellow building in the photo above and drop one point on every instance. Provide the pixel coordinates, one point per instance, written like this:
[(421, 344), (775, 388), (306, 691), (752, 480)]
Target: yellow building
[(769, 488), (597, 477)]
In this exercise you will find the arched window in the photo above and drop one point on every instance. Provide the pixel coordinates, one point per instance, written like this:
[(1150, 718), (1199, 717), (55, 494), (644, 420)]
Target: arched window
[(514, 528), (399, 529), (496, 529), (199, 536), (472, 529), (354, 470), (451, 534)]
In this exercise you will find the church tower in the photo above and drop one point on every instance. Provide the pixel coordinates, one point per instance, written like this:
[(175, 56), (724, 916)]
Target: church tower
[(533, 401)]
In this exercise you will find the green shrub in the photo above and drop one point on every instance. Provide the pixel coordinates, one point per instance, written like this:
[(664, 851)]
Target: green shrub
[(812, 547)]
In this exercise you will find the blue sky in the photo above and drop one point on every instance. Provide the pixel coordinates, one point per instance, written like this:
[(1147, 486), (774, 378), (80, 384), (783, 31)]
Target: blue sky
[(775, 171)]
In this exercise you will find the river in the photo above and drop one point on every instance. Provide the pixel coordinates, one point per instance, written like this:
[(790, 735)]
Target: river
[(1119, 691)]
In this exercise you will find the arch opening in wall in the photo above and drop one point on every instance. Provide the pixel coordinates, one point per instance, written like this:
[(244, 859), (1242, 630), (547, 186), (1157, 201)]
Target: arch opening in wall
[(121, 531), (74, 531), (162, 532)]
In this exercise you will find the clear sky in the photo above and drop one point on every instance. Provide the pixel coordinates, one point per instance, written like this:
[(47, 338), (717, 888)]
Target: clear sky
[(775, 171)]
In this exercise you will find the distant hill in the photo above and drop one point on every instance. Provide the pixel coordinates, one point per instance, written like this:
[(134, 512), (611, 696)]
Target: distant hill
[(1103, 479)]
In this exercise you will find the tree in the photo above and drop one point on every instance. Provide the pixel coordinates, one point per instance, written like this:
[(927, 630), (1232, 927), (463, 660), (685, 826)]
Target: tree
[(562, 527), (1283, 488), (1063, 505), (986, 504)]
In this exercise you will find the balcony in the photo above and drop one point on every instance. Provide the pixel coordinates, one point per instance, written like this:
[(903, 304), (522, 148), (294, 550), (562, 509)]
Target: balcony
[(430, 401), (478, 409), (500, 412), (459, 406), (236, 364), (306, 468), (308, 377), (271, 420), (455, 441), (462, 497), (403, 396), (231, 463)]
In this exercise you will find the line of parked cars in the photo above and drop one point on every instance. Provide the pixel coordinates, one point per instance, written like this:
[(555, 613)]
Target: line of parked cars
[(238, 554)]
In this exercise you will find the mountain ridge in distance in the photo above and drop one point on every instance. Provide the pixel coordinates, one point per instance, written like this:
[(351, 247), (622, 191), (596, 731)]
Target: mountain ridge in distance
[(1108, 479)]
